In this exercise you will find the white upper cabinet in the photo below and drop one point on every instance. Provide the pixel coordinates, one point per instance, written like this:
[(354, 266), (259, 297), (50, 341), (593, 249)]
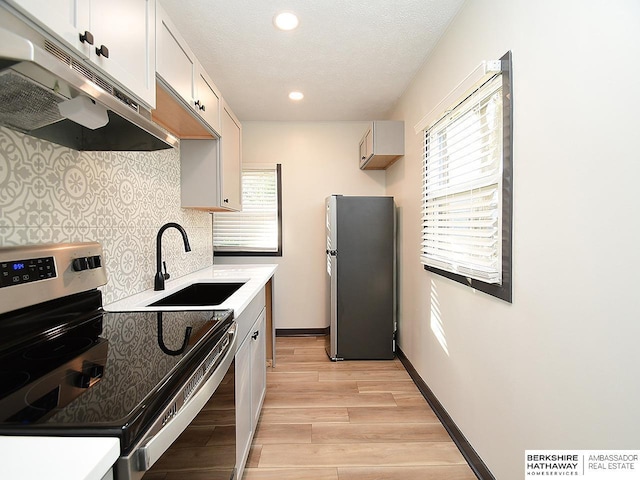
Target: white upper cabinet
[(64, 18), (180, 69), (117, 36), (210, 170), (231, 151), (175, 62), (211, 165), (126, 28), (381, 145), (207, 99)]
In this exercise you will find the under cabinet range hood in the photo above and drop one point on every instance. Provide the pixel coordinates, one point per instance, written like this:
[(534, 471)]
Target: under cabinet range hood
[(40, 82)]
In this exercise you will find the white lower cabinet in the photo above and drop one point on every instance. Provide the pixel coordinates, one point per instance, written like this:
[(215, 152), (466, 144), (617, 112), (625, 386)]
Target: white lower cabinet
[(259, 367), (243, 403), (251, 371)]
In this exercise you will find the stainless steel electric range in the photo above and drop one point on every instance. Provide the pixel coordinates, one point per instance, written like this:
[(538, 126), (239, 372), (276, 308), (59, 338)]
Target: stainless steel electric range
[(68, 368)]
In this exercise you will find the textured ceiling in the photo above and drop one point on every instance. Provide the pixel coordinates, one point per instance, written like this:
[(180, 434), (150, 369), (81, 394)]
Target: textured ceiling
[(352, 59)]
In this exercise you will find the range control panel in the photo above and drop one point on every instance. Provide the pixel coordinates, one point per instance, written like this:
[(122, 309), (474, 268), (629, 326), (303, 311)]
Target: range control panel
[(15, 272), (32, 274)]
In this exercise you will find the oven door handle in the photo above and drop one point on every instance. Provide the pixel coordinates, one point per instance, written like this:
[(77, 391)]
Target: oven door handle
[(151, 451)]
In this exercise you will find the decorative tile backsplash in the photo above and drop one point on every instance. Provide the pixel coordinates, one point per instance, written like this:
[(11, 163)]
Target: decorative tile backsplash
[(52, 194)]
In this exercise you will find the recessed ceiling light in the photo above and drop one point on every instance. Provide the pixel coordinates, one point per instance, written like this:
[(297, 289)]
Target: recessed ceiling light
[(285, 21), (296, 96)]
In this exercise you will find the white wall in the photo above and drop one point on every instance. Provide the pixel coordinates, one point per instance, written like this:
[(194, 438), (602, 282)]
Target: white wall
[(318, 159), (557, 369)]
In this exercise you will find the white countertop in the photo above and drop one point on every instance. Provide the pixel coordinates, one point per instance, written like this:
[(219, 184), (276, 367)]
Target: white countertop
[(255, 276), (57, 458), (75, 458)]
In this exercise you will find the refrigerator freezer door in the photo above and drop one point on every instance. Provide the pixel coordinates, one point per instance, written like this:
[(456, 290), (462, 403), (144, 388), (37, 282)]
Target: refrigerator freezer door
[(332, 278)]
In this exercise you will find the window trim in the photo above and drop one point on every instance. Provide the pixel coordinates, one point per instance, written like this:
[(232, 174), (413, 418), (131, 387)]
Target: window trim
[(502, 291), (254, 253)]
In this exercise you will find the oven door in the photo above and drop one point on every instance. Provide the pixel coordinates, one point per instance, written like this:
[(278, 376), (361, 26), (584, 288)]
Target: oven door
[(215, 390)]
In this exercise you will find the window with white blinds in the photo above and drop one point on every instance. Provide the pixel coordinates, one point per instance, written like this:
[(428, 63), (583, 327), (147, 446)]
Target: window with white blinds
[(256, 229), (462, 187)]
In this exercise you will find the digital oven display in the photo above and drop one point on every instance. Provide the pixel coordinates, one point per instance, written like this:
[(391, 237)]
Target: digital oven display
[(25, 271)]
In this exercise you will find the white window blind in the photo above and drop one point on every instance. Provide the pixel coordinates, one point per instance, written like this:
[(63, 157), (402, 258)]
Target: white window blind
[(462, 187), (255, 228)]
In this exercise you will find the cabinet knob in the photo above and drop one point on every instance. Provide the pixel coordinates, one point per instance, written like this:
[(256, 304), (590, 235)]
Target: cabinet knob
[(87, 37), (255, 334), (104, 51), (199, 105), (226, 200)]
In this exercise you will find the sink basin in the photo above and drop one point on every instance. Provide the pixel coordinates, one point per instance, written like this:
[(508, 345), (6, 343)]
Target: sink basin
[(199, 294)]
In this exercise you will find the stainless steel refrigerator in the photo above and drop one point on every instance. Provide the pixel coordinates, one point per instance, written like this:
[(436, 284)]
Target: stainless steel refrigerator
[(361, 277)]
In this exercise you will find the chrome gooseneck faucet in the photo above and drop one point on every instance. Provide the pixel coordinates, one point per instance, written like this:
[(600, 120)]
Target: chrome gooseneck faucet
[(161, 277)]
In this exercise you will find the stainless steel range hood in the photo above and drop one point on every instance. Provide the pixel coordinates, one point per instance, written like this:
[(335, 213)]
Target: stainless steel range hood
[(36, 74)]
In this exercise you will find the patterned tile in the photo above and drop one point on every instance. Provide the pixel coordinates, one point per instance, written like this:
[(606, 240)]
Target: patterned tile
[(50, 193)]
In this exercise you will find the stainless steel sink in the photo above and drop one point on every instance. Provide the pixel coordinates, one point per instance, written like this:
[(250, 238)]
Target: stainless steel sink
[(199, 294)]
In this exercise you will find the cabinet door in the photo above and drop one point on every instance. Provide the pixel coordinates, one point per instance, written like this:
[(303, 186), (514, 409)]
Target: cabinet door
[(65, 19), (199, 174), (243, 402), (127, 29), (369, 143), (175, 62), (363, 150), (366, 147), (258, 366), (231, 151), (207, 99)]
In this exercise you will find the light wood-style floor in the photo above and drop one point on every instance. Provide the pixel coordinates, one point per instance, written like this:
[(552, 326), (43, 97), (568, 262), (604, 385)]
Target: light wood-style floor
[(351, 420)]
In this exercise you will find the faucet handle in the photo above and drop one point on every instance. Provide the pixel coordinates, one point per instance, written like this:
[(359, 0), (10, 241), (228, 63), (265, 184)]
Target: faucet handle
[(165, 274)]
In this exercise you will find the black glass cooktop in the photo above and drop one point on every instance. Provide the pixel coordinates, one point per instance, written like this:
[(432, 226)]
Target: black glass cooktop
[(86, 372)]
